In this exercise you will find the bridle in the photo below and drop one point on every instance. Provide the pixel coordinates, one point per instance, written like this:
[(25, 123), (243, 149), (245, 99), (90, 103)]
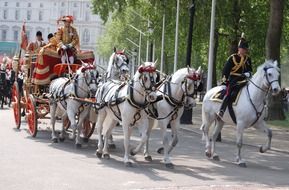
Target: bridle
[(267, 79), (124, 61), (269, 86), (88, 80), (150, 70)]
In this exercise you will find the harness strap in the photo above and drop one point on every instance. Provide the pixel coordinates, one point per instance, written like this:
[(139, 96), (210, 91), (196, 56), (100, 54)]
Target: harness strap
[(258, 114), (132, 101)]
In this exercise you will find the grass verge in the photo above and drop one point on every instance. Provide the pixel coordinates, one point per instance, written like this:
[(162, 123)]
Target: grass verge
[(281, 123)]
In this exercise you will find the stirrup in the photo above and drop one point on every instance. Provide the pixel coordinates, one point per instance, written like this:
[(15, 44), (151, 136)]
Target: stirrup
[(220, 114)]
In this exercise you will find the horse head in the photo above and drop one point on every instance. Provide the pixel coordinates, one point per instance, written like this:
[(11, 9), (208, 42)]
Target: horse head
[(121, 63), (192, 81), (90, 75), (271, 73), (147, 76)]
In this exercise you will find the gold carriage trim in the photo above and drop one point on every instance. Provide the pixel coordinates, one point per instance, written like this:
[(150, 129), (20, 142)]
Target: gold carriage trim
[(41, 82)]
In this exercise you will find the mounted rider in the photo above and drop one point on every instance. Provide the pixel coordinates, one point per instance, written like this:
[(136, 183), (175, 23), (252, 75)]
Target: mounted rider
[(67, 40), (34, 47), (237, 68)]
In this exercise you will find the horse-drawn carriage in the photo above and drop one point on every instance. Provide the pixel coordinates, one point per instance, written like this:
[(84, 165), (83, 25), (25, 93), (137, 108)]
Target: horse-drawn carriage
[(31, 99)]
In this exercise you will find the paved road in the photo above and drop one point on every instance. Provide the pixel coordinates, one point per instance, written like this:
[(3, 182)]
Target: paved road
[(36, 163)]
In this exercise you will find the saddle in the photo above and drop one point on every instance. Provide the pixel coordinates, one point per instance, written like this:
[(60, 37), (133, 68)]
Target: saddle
[(219, 96)]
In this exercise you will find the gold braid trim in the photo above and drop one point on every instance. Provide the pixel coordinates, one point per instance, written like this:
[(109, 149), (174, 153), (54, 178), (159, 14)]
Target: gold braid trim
[(237, 65)]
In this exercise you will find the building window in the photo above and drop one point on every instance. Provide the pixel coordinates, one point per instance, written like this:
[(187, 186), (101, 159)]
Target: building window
[(6, 4), (29, 4), (40, 16), (41, 5), (87, 16), (86, 36), (74, 15), (5, 14), (62, 4), (17, 14), (17, 4), (75, 4), (62, 13), (28, 35), (4, 35), (29, 15), (87, 5), (16, 34)]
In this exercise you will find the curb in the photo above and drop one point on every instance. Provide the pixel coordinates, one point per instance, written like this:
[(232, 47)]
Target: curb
[(233, 142)]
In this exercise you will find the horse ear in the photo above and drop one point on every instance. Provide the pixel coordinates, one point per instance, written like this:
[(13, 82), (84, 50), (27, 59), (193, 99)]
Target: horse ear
[(188, 68), (123, 50), (155, 63), (114, 49), (275, 63)]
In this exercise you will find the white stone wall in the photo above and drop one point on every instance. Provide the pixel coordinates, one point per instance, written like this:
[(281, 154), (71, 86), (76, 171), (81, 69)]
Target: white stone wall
[(43, 17)]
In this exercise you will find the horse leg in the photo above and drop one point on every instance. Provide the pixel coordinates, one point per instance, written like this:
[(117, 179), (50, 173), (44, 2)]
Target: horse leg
[(53, 107), (261, 126), (207, 122), (175, 139), (126, 133), (217, 130), (239, 135), (73, 125), (109, 125), (62, 134), (147, 155), (81, 118), (143, 126), (163, 125), (99, 127)]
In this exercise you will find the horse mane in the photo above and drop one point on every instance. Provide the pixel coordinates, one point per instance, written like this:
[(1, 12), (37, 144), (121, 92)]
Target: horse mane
[(180, 74), (268, 63)]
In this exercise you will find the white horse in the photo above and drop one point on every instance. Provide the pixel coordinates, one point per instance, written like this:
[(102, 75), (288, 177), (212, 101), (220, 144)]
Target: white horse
[(118, 66), (64, 104), (177, 92), (249, 109), (126, 103)]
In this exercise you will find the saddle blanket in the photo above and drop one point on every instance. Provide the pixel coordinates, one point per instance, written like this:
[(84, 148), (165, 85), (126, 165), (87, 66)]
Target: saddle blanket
[(219, 96)]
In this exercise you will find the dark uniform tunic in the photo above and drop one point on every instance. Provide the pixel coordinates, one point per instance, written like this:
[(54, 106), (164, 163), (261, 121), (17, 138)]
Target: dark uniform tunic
[(232, 76)]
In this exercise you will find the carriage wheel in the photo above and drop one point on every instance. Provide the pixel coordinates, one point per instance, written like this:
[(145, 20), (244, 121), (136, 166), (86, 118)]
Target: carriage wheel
[(31, 115), (16, 104), (87, 128)]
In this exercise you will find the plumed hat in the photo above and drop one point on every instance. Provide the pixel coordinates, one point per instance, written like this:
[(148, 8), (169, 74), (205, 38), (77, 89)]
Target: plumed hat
[(243, 43)]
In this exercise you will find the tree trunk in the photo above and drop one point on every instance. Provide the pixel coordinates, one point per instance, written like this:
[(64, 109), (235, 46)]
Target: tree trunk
[(236, 15), (273, 41)]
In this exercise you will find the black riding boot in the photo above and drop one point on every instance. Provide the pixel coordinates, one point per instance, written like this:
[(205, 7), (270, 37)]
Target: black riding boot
[(223, 106)]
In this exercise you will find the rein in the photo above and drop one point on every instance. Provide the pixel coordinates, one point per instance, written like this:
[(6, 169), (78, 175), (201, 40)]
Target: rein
[(258, 114)]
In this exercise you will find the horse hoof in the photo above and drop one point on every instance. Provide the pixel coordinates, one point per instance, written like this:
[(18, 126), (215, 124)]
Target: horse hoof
[(54, 140), (111, 146), (98, 154), (61, 139), (148, 158), (216, 158), (77, 145), (261, 150), (169, 165), (208, 154), (106, 156), (128, 164), (242, 165), (85, 140), (132, 153), (161, 150)]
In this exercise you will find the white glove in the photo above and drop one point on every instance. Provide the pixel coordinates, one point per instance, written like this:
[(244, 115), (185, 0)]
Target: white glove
[(63, 47), (247, 74), (69, 46)]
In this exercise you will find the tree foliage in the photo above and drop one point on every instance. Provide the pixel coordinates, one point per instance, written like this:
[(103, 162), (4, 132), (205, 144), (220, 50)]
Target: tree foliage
[(232, 18)]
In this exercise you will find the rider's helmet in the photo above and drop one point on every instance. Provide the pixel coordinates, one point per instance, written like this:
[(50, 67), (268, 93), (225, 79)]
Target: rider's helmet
[(243, 42)]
